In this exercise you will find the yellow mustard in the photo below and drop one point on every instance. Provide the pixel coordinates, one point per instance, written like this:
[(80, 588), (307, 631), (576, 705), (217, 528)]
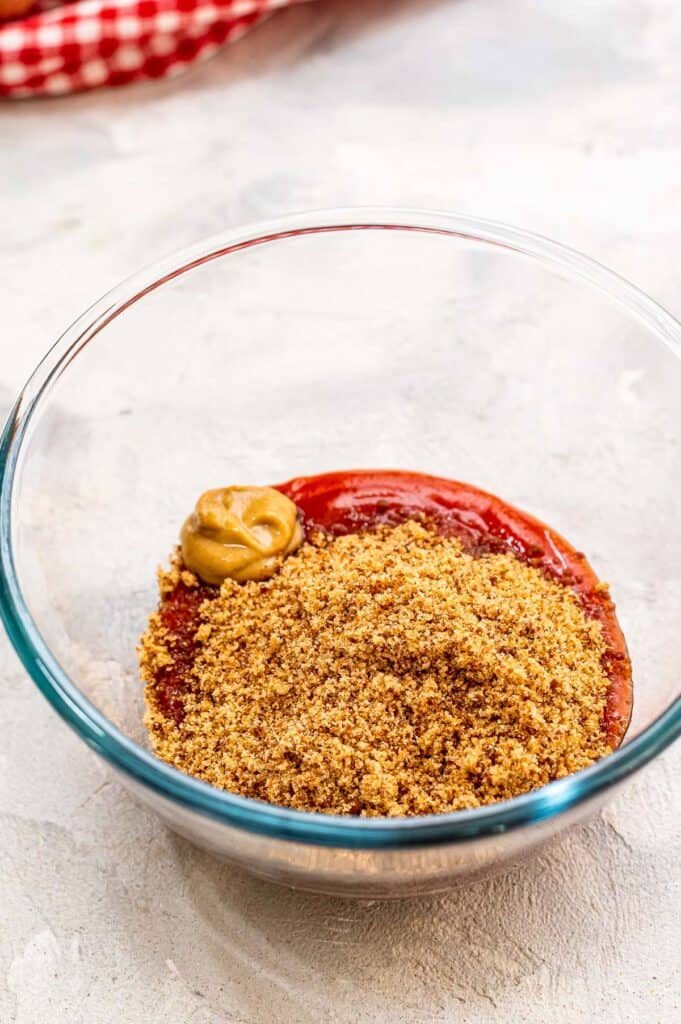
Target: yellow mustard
[(243, 533)]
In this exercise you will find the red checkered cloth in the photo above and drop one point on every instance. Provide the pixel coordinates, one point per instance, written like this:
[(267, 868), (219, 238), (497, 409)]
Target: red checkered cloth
[(89, 43)]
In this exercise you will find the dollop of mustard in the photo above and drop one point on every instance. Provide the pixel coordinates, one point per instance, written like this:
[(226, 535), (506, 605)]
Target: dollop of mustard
[(243, 533)]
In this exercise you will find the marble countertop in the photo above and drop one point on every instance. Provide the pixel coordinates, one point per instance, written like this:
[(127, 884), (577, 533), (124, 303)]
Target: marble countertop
[(565, 119)]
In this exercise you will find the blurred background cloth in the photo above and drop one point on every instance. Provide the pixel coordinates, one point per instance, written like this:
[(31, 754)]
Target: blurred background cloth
[(62, 48)]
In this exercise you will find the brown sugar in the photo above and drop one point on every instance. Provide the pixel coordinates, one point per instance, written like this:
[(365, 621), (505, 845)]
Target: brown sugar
[(385, 673)]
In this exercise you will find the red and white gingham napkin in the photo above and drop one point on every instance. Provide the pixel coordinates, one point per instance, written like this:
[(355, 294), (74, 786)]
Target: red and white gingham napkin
[(84, 44)]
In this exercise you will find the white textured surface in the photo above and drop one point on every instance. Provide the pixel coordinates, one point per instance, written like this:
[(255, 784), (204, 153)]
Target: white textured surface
[(566, 121)]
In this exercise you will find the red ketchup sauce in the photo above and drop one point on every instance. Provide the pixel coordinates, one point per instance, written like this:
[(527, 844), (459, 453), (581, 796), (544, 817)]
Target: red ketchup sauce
[(358, 500)]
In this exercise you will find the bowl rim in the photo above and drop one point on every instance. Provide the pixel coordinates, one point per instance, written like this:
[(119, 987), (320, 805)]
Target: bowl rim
[(252, 815)]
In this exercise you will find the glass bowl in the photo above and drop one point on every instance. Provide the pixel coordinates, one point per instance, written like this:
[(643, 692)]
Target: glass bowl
[(331, 340)]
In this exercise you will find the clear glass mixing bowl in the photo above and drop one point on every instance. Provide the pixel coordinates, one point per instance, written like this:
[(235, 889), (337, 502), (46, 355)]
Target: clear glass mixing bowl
[(365, 338)]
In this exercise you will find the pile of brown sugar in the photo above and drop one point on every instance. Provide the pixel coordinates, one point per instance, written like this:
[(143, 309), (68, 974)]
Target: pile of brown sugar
[(386, 673)]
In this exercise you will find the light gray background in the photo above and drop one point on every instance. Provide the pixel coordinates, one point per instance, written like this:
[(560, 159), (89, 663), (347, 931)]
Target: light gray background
[(564, 118)]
